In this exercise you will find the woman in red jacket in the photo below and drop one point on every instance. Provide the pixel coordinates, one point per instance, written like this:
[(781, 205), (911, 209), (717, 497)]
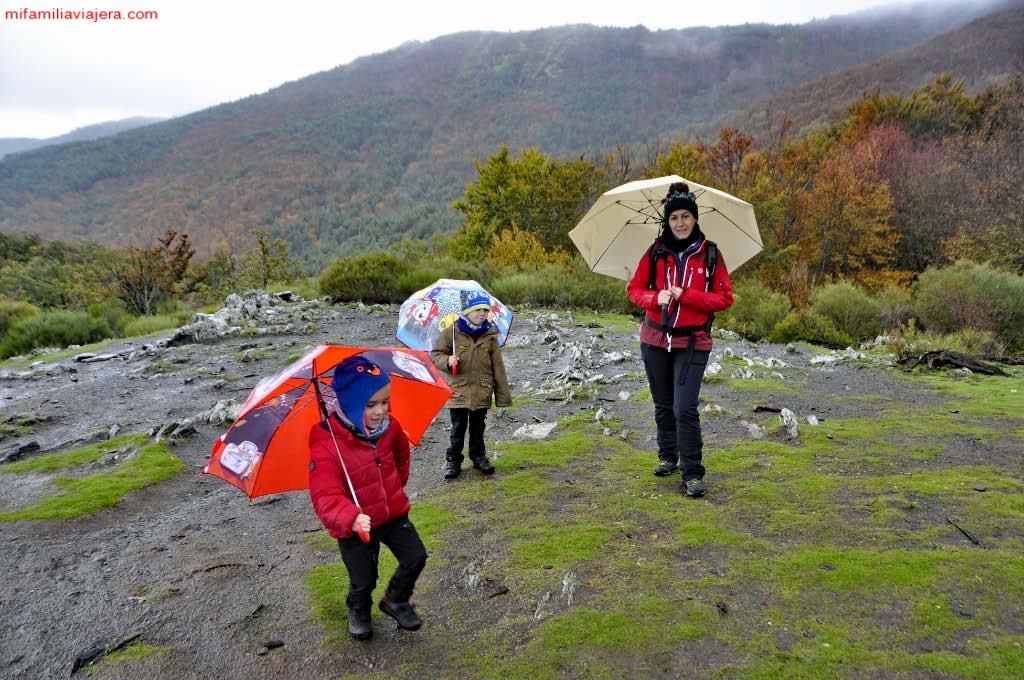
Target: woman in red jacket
[(360, 448), (672, 286)]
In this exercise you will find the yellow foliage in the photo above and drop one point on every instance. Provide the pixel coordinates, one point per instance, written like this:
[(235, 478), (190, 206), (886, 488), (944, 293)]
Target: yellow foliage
[(514, 249)]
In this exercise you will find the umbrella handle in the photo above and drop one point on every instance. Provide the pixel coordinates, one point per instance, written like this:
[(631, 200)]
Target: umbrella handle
[(664, 316), (364, 535), (455, 364)]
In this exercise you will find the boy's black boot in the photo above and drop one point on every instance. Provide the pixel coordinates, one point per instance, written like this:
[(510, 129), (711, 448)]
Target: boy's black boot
[(402, 612), (483, 465), (452, 466), (359, 626)]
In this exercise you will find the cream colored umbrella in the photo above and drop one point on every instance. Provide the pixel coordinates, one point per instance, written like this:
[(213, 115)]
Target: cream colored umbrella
[(624, 221)]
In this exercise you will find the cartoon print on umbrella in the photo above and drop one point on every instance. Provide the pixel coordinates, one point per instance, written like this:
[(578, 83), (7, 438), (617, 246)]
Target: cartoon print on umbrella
[(429, 312)]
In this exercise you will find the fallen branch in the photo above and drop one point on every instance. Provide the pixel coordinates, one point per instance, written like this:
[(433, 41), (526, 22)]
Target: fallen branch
[(93, 655), (965, 532), (943, 357)]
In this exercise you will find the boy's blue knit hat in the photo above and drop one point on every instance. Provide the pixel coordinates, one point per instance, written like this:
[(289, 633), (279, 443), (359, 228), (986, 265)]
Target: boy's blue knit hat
[(476, 300), (355, 381)]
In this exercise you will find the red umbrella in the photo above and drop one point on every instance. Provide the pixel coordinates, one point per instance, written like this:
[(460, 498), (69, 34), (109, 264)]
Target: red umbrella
[(266, 449)]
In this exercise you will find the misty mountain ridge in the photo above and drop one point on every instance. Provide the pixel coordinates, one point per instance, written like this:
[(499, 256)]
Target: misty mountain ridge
[(9, 145), (360, 156)]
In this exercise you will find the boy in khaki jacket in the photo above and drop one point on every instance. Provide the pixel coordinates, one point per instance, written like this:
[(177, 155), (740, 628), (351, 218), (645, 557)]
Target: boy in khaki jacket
[(470, 360)]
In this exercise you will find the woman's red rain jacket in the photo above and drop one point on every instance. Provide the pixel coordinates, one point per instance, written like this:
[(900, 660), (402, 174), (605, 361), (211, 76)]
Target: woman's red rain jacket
[(379, 473), (694, 306)]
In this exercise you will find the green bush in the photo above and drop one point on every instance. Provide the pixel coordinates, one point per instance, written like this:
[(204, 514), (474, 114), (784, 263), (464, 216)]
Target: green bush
[(53, 329), (114, 311), (367, 278), (909, 341), (563, 286), (970, 295), (756, 311), (144, 325), (805, 326), (423, 274), (852, 312), (895, 310), (12, 311)]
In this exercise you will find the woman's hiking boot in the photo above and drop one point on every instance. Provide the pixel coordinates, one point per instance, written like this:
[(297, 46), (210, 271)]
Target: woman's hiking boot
[(402, 612), (483, 465), (359, 626), (665, 467), (693, 488), (452, 467)]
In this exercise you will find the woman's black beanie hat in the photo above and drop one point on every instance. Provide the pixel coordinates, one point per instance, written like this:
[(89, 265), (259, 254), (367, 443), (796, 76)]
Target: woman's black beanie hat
[(678, 198)]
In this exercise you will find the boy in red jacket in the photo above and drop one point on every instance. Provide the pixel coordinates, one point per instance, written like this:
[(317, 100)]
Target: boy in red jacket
[(359, 465)]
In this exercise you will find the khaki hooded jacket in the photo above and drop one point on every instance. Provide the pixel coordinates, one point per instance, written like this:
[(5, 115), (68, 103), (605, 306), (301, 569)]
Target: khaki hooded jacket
[(480, 374)]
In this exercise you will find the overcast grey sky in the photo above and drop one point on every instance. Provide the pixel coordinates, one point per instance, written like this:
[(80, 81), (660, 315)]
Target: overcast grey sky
[(61, 73)]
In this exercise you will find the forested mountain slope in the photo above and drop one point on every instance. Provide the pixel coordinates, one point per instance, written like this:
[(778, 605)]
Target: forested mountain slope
[(360, 156)]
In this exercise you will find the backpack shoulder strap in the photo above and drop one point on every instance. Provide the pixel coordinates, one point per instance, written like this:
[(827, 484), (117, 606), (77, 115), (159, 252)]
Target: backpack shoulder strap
[(710, 262), (653, 253)]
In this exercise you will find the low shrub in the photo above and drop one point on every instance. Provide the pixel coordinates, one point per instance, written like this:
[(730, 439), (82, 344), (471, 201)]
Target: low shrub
[(756, 310), (144, 325), (909, 341), (12, 311), (853, 312), (53, 329), (805, 326), (971, 295), (114, 311), (895, 310), (368, 278), (423, 274), (562, 286)]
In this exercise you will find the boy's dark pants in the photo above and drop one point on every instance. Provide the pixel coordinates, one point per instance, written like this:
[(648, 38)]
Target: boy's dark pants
[(476, 421), (360, 559), (675, 389)]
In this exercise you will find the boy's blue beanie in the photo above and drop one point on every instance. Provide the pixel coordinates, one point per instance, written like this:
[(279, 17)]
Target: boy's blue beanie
[(355, 381), (476, 300)]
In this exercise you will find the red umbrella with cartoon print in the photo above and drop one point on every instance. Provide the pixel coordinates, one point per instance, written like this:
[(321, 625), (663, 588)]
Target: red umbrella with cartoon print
[(266, 449)]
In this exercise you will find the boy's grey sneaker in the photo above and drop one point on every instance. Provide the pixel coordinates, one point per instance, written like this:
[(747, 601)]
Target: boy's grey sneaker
[(402, 612), (664, 468), (694, 488)]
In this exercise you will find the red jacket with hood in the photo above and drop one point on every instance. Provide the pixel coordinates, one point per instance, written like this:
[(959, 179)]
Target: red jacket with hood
[(379, 472), (697, 302)]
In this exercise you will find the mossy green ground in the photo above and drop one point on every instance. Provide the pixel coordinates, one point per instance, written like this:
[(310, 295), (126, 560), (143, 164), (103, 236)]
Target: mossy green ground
[(122, 465), (832, 556)]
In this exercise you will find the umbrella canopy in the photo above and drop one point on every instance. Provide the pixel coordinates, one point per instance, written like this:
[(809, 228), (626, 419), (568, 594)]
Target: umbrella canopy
[(624, 221), (428, 313), (266, 449)]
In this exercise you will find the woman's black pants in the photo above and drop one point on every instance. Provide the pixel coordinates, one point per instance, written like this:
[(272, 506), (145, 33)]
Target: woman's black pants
[(675, 378)]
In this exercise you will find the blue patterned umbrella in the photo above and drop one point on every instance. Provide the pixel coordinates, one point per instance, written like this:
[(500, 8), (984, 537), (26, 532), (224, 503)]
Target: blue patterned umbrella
[(429, 312)]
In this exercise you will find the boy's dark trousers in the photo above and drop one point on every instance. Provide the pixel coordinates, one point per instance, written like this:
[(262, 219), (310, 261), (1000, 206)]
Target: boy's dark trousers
[(476, 421), (675, 388), (360, 559)]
